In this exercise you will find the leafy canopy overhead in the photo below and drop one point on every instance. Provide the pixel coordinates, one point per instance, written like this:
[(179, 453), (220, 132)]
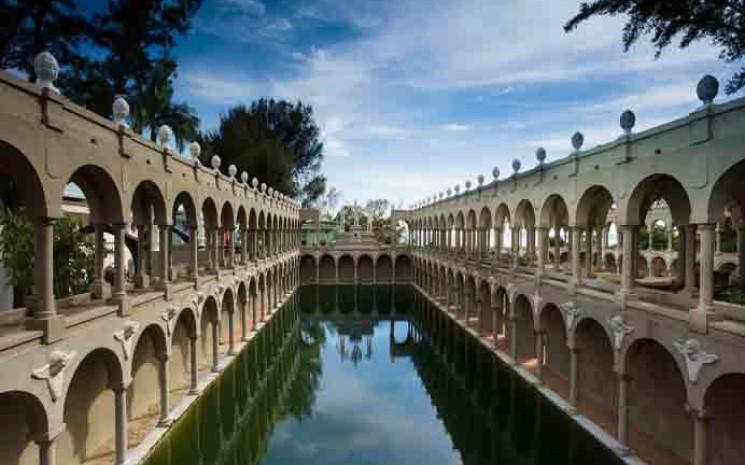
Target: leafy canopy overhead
[(721, 21), (273, 140)]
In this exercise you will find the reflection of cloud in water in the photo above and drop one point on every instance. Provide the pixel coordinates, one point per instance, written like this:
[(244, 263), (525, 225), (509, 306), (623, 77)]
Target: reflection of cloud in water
[(375, 413)]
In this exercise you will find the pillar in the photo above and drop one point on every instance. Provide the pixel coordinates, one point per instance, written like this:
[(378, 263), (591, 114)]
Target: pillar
[(513, 338), (628, 238), (44, 310), (557, 248), (244, 246), (495, 318), (165, 246), (623, 409), (164, 388), (576, 271), (542, 237), (573, 375), (47, 452), (194, 364), (231, 333), (216, 248), (99, 287), (706, 270), (588, 251), (120, 423), (539, 355), (700, 442), (690, 258), (215, 346), (515, 247), (119, 260), (142, 280), (193, 252)]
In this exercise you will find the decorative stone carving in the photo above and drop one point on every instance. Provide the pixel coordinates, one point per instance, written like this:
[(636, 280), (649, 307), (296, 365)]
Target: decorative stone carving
[(628, 120), (540, 155), (195, 150), (169, 316), (125, 337), (215, 161), (254, 182), (695, 357), (120, 111), (244, 177), (495, 173), (480, 180), (577, 141), (54, 372), (511, 292), (468, 185), (515, 165), (537, 300), (572, 313), (707, 89), (165, 135), (232, 171), (47, 70), (620, 329)]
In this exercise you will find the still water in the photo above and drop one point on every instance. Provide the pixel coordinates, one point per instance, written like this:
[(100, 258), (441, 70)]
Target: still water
[(367, 375)]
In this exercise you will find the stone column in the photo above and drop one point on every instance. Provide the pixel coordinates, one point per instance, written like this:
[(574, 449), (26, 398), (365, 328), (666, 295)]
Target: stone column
[(44, 309), (628, 237), (700, 440), (119, 261), (576, 269), (217, 248), (47, 451), (244, 246), (120, 423), (515, 247), (623, 409), (557, 248), (165, 246), (588, 252), (718, 239), (690, 258), (142, 280), (531, 245), (573, 375), (165, 418), (497, 244), (706, 269), (215, 346), (468, 297), (231, 333), (539, 355), (513, 337), (99, 288), (194, 364), (650, 228), (495, 318), (542, 236), (669, 231)]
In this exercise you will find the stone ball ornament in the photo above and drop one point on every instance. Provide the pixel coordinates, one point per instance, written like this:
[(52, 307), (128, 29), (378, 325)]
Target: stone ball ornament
[(165, 135), (628, 120), (232, 171), (215, 161), (263, 187), (120, 111), (244, 177), (480, 180), (495, 173), (707, 89), (540, 155), (195, 150), (47, 70), (457, 189), (449, 192), (255, 183), (516, 165), (577, 141), (270, 191), (468, 185)]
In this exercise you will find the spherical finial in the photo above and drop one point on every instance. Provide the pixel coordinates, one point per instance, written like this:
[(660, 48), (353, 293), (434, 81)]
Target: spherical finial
[(628, 120), (515, 165), (449, 192), (269, 191), (165, 135), (577, 140), (195, 150), (47, 70), (457, 189), (707, 89), (232, 171), (244, 177), (495, 173), (468, 184), (263, 187), (120, 111), (255, 183), (215, 161), (442, 195), (480, 180), (540, 155)]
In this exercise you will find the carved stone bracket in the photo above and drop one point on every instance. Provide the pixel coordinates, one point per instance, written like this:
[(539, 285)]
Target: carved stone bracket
[(695, 357), (620, 329), (126, 336), (169, 316), (54, 372), (511, 292), (572, 314)]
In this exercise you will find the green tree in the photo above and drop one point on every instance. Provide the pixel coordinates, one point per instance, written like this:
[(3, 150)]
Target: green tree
[(379, 212), (721, 21), (73, 255), (276, 141), (28, 27)]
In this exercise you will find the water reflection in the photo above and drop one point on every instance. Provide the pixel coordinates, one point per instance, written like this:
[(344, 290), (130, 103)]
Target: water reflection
[(371, 375)]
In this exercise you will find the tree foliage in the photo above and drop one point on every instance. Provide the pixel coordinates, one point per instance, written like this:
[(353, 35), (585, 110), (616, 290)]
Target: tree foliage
[(721, 21), (73, 254), (274, 140)]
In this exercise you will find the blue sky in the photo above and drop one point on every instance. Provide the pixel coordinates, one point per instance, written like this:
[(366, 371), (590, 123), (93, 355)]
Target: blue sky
[(414, 96)]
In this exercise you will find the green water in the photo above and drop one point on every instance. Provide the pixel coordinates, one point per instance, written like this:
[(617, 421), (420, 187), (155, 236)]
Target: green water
[(360, 375)]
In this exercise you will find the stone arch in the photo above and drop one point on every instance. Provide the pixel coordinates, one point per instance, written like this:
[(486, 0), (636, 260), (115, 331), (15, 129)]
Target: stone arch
[(23, 418), (184, 333), (23, 182), (346, 269), (596, 381), (88, 410), (327, 269), (403, 268), (658, 267), (724, 407), (384, 266), (307, 269), (555, 350), (227, 319), (210, 319), (522, 330), (554, 212), (143, 396), (101, 194), (727, 191), (524, 214), (365, 269), (485, 313), (593, 207), (653, 188), (657, 398), (148, 204)]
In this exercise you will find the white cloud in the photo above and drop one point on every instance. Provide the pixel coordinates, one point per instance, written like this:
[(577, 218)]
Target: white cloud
[(455, 127), (218, 90)]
